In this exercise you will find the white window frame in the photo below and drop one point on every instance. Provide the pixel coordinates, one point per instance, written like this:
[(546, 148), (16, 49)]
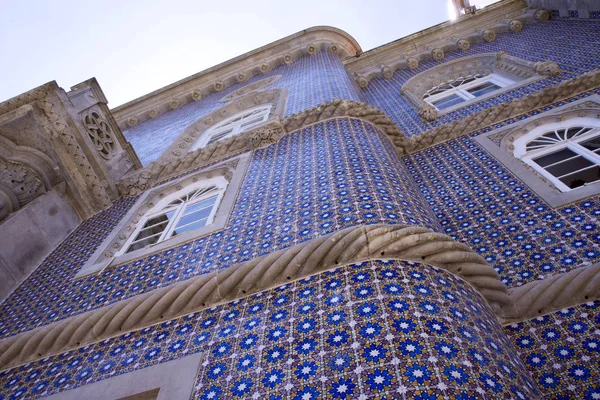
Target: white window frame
[(261, 112), (571, 144), (462, 90), (220, 184)]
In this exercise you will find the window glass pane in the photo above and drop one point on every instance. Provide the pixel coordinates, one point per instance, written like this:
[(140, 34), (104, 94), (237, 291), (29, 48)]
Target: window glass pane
[(555, 157), (191, 227), (143, 243), (201, 204), (252, 122), (580, 178), (483, 89), (448, 101), (592, 144), (568, 166), (201, 214)]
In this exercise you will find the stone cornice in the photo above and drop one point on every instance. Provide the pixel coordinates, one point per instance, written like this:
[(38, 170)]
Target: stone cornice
[(436, 42), (354, 244), (236, 70)]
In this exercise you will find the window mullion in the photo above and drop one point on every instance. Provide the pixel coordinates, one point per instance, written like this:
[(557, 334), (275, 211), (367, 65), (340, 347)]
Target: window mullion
[(171, 225), (590, 155)]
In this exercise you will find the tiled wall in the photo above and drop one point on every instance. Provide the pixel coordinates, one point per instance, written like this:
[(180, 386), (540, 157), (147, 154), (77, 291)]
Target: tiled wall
[(310, 80), (479, 202), (562, 351), (573, 44), (316, 181), (382, 329)]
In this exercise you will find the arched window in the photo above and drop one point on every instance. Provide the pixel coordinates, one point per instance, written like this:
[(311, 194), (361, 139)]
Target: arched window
[(464, 88), (231, 126), (566, 153), (185, 210)]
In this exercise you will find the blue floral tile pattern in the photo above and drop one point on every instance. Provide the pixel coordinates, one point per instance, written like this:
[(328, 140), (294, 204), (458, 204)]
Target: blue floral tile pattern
[(562, 351), (479, 202), (379, 329), (327, 177)]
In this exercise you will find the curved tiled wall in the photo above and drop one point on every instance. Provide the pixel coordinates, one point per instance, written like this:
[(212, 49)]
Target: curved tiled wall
[(386, 329), (321, 179)]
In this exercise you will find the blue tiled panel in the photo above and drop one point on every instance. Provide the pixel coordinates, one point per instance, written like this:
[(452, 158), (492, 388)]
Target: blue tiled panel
[(574, 45), (316, 181), (481, 203), (380, 329), (310, 80), (562, 351)]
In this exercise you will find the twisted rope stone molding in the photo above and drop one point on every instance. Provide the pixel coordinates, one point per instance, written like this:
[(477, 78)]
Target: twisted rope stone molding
[(555, 293), (58, 127), (350, 245)]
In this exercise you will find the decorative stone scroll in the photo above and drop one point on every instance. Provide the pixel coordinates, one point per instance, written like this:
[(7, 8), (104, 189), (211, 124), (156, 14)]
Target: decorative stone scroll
[(100, 133), (354, 244)]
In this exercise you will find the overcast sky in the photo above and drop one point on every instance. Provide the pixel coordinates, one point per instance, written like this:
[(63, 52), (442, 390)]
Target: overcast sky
[(134, 47)]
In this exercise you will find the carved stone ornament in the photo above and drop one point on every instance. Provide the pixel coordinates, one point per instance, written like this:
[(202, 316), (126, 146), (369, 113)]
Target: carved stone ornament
[(287, 59), (387, 72), (196, 95), (333, 48), (488, 35), (311, 49), (153, 112), (100, 133), (541, 15), (174, 104), (218, 86), (514, 25), (132, 122), (22, 180), (252, 87), (463, 44), (266, 135), (362, 81), (548, 68), (241, 77), (437, 54), (411, 63), (264, 67), (428, 112)]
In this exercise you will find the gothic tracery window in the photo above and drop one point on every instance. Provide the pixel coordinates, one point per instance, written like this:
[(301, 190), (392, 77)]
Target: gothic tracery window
[(567, 155), (237, 124), (183, 211)]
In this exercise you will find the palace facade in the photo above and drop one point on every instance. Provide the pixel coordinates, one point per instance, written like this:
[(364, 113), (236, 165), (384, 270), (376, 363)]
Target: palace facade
[(311, 220)]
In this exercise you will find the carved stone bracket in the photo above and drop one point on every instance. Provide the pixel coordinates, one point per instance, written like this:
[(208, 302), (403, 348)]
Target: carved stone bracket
[(350, 245)]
